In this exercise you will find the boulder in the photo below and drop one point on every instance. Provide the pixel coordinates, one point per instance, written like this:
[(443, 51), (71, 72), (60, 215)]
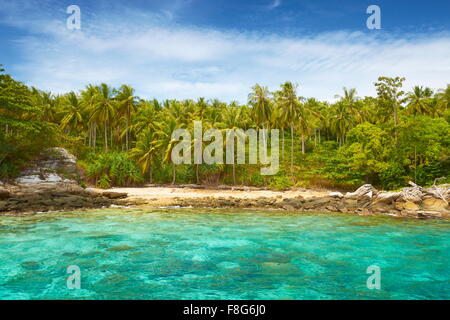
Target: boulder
[(434, 204), (406, 206)]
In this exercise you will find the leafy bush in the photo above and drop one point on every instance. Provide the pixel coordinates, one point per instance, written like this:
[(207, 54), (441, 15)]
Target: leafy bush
[(113, 169), (280, 183)]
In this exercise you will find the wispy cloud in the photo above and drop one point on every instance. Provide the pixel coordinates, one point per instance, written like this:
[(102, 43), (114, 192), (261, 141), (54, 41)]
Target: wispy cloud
[(169, 61), (275, 4)]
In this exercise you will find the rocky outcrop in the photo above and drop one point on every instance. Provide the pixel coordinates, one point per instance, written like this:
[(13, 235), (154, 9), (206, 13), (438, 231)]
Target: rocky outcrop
[(51, 183), (54, 170)]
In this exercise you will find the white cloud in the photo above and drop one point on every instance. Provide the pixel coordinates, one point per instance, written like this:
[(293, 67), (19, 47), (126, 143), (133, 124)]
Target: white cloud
[(167, 61), (275, 4)]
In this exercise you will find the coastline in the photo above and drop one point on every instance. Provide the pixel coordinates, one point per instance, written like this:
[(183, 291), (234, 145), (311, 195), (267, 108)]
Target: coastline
[(365, 201)]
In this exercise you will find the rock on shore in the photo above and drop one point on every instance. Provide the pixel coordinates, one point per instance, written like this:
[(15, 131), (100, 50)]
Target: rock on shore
[(414, 202), (51, 183)]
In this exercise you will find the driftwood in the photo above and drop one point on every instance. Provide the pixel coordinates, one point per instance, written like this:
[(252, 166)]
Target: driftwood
[(366, 190), (442, 191), (414, 193)]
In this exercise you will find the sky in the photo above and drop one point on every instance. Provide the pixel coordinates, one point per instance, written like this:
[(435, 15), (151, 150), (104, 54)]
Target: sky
[(185, 49)]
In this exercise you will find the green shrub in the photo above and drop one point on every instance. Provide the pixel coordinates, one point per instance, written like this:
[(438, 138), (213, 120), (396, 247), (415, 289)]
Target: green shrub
[(113, 169), (280, 183)]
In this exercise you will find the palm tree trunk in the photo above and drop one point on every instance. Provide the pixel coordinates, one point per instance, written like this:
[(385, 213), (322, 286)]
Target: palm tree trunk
[(292, 151), (106, 137), (282, 145), (264, 140), (90, 135), (95, 136), (126, 134), (303, 143), (196, 173)]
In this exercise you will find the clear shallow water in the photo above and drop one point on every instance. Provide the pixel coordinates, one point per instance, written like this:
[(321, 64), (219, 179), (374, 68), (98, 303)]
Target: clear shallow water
[(215, 254)]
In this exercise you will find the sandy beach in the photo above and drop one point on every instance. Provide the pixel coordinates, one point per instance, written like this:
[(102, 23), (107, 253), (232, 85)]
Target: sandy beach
[(167, 194)]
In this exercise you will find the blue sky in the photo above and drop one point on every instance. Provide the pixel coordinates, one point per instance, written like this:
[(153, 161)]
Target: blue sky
[(220, 48)]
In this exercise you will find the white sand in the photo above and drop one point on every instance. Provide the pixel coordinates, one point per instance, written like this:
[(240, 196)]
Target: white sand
[(169, 193)]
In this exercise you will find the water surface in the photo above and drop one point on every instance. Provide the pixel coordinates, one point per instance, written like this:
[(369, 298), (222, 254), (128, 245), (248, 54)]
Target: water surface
[(218, 254)]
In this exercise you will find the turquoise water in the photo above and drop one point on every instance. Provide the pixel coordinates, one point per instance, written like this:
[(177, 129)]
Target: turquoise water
[(215, 254)]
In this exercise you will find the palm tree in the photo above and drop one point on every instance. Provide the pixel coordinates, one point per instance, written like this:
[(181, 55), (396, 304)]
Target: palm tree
[(147, 146), (419, 101), (289, 106), (317, 109), (73, 113), (443, 99), (232, 120), (340, 120), (277, 121), (146, 116), (104, 108), (350, 99), (303, 116), (164, 133), (260, 100), (126, 105), (48, 106), (88, 102)]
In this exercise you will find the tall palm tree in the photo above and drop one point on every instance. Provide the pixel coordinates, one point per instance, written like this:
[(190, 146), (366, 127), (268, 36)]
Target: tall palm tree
[(147, 146), (277, 121), (47, 103), (289, 105), (317, 122), (146, 116), (261, 102), (340, 120), (419, 101), (126, 105), (88, 102), (104, 108), (73, 112), (350, 100), (232, 120), (164, 133)]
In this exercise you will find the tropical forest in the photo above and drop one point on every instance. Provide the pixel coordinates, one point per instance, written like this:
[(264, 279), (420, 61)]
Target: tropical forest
[(399, 135)]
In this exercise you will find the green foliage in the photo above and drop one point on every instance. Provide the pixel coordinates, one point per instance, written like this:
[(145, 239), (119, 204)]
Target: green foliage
[(22, 134), (420, 153), (113, 168), (121, 139), (280, 182)]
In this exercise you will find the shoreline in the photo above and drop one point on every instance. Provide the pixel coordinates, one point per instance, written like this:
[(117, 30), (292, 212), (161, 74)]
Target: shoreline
[(365, 201)]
